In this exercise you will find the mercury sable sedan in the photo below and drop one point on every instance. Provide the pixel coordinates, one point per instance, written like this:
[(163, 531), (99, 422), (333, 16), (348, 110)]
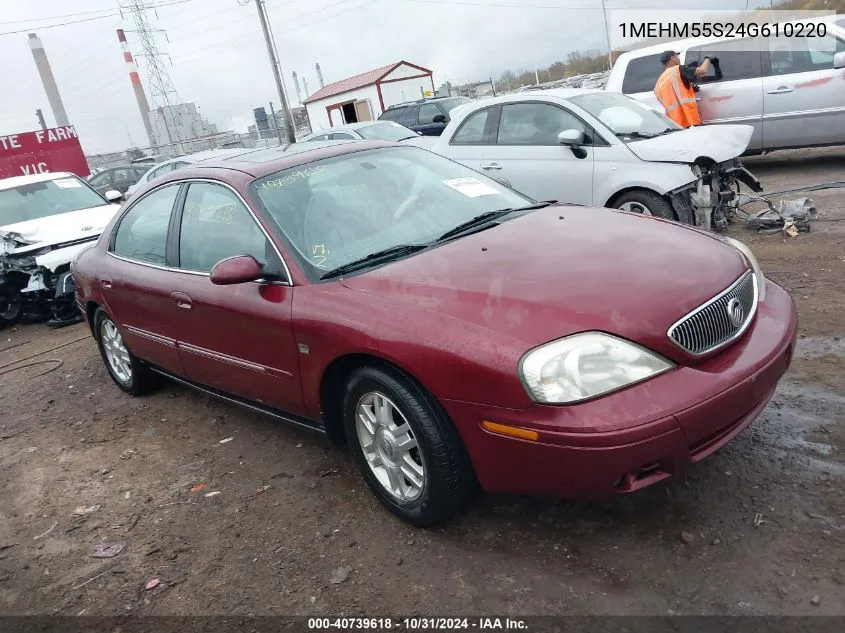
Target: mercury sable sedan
[(456, 334)]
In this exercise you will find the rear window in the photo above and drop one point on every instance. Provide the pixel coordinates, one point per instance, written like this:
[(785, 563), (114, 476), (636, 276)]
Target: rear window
[(641, 74)]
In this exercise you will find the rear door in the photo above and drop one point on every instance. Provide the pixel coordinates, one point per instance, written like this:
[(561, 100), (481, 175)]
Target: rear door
[(469, 140), (136, 288), (735, 95), (804, 96), (427, 125), (409, 117), (527, 154)]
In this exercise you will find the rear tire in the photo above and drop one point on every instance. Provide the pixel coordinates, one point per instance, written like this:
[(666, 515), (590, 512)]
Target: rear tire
[(128, 373), (646, 203), (407, 449)]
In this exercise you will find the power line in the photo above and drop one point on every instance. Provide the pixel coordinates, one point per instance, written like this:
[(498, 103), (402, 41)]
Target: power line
[(37, 27), (503, 5)]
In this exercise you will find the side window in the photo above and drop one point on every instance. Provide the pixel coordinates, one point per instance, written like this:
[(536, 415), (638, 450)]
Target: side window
[(471, 131), (408, 116), (390, 115), (427, 112), (341, 136), (216, 225), (321, 137), (142, 232), (641, 74), (738, 59), (161, 170), (801, 55), (535, 124), (99, 179)]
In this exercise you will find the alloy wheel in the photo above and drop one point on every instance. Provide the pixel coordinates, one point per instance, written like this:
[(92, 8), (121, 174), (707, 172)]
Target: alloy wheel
[(635, 207), (390, 447), (116, 352)]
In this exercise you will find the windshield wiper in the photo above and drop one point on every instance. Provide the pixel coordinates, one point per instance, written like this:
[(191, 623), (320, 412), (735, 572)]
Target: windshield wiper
[(486, 220), (379, 257), (638, 135)]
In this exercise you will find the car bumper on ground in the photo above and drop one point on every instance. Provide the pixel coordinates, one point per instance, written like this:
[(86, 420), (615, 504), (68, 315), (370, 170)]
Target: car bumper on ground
[(638, 436)]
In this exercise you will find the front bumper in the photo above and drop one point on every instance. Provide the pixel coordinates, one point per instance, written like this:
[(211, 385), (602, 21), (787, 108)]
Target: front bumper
[(638, 436)]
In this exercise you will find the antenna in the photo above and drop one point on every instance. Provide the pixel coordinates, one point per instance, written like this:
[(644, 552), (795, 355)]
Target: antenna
[(162, 90)]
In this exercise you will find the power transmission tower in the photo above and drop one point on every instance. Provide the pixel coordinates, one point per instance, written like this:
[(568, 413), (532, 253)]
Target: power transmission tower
[(162, 91)]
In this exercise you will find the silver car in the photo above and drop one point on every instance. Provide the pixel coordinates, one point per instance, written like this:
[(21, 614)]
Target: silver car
[(789, 89), (366, 130)]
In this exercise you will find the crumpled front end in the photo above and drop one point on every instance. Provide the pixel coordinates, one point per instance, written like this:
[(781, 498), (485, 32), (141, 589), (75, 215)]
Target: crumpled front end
[(38, 282), (711, 201)]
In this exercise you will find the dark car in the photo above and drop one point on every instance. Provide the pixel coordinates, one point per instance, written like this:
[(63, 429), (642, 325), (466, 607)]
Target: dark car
[(426, 116), (117, 178), (454, 332)]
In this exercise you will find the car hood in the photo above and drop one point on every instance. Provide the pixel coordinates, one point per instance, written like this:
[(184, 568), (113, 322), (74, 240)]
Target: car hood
[(718, 142), (563, 270), (74, 226)]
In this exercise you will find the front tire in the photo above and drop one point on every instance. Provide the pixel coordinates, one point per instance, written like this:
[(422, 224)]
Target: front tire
[(10, 312), (406, 447), (645, 203), (128, 373)]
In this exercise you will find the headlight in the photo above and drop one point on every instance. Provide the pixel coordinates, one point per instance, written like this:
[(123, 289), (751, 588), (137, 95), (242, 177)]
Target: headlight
[(584, 366), (752, 261)]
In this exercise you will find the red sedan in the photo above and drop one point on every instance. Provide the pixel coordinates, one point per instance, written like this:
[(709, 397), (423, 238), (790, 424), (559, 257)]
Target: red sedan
[(453, 332)]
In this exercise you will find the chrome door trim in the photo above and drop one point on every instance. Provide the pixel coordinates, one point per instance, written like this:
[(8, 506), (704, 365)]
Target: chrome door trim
[(232, 360)]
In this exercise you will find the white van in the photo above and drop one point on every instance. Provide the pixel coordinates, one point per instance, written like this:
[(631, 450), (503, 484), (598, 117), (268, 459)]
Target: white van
[(791, 90)]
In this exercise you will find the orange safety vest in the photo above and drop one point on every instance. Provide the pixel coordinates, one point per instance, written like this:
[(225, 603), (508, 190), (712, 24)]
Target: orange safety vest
[(677, 99)]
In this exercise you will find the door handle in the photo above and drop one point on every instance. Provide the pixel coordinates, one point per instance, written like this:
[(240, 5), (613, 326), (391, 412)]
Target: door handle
[(780, 90), (105, 283), (182, 300), (491, 167)]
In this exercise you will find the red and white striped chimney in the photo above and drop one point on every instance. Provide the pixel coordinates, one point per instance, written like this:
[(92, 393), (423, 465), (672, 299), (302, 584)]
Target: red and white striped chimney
[(141, 97)]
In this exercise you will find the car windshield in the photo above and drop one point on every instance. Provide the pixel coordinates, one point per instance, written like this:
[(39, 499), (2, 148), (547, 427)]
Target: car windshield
[(385, 131), (628, 119), (43, 199), (341, 209)]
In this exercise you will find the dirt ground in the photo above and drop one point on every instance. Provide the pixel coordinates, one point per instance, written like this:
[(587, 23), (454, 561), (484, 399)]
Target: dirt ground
[(759, 528)]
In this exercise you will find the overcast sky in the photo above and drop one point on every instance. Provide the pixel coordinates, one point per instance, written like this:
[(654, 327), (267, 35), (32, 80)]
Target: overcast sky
[(219, 59)]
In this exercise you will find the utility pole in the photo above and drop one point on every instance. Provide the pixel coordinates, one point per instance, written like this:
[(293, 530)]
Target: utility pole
[(40, 116), (274, 62), (536, 77), (276, 124), (607, 34), (492, 86)]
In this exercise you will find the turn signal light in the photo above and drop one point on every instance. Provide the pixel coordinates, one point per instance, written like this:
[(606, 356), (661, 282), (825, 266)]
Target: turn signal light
[(513, 431)]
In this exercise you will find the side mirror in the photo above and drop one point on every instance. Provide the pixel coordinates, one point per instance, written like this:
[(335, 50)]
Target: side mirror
[(240, 269), (570, 137), (113, 196), (839, 60), (439, 118)]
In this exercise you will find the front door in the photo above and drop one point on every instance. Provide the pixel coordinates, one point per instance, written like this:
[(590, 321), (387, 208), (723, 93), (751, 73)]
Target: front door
[(135, 282), (526, 153), (237, 339), (735, 94), (803, 95)]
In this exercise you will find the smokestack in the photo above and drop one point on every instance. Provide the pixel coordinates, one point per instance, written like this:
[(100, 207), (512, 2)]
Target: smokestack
[(320, 76), (296, 85), (305, 86), (143, 105), (50, 87)]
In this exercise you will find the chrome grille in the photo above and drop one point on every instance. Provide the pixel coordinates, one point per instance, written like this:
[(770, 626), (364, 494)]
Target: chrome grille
[(710, 326)]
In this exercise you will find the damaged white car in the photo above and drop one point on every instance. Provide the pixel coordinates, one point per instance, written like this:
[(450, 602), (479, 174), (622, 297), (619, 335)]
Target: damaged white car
[(45, 221), (602, 149)]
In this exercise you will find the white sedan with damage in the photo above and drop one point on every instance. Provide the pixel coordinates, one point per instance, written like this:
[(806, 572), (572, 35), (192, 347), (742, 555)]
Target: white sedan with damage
[(45, 221), (602, 149)]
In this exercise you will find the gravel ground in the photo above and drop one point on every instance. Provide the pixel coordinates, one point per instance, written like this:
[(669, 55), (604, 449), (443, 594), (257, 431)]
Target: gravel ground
[(755, 529)]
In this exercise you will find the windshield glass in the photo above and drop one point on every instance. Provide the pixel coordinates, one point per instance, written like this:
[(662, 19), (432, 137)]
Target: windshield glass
[(340, 209), (385, 131), (43, 199), (628, 119)]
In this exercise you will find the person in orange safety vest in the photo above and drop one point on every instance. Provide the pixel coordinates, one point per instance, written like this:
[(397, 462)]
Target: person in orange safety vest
[(674, 89)]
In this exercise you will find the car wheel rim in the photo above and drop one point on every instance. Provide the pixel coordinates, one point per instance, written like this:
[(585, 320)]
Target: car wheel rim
[(635, 207), (116, 352), (390, 447), (10, 311)]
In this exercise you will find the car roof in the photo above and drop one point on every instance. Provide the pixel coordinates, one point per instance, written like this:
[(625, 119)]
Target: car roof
[(17, 181), (405, 104), (529, 95), (263, 161)]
